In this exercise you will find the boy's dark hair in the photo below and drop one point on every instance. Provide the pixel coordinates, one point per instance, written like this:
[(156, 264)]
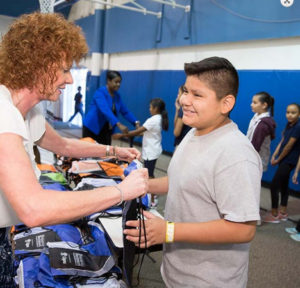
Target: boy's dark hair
[(161, 106), (218, 73), (265, 97), (111, 74)]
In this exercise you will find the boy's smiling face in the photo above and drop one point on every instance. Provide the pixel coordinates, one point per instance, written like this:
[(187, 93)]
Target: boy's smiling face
[(201, 107)]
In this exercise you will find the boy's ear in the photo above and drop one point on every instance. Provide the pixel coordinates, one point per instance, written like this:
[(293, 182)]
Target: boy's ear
[(228, 103)]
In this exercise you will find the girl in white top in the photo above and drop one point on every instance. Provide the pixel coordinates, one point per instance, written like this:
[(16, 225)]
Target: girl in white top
[(151, 131), (262, 126)]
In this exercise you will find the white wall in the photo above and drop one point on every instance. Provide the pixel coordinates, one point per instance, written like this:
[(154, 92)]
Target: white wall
[(278, 54), (4, 23), (68, 103)]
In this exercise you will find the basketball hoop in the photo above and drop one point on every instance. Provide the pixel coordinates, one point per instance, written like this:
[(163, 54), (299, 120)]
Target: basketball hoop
[(47, 6)]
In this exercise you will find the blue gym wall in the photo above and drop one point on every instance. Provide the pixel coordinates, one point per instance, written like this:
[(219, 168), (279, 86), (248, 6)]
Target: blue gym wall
[(138, 87), (207, 22), (124, 31)]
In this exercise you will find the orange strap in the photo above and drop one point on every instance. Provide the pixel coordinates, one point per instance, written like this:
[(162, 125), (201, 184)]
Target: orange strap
[(111, 169)]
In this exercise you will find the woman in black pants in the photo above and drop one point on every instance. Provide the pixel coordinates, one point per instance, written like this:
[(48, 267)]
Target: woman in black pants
[(286, 155)]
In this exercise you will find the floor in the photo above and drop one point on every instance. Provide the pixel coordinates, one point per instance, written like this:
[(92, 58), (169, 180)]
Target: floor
[(274, 256)]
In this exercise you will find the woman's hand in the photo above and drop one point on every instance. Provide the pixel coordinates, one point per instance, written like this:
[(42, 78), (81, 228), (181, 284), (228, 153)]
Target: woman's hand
[(274, 162), (135, 184), (155, 231), (127, 154), (122, 127), (295, 178)]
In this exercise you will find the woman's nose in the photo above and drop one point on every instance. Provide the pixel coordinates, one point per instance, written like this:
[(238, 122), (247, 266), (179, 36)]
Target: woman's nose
[(69, 79)]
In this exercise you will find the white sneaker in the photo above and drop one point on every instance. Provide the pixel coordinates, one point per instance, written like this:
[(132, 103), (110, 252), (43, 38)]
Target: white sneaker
[(153, 205), (291, 230), (295, 237)]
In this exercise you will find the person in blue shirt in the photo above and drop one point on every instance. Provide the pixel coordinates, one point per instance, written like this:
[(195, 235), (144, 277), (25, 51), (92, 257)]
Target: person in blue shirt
[(78, 105), (102, 120), (286, 156)]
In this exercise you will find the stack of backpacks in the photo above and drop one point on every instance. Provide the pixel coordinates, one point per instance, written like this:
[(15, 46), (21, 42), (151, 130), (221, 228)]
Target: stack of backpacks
[(76, 254)]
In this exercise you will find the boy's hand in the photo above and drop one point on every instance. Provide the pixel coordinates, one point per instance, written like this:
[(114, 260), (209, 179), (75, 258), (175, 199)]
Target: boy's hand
[(155, 231)]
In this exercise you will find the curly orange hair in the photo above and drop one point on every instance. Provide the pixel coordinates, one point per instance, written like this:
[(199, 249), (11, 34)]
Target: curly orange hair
[(35, 46)]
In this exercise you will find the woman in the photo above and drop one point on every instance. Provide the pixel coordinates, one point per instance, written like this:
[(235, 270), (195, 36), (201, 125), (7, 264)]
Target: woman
[(286, 157), (180, 129), (261, 130), (36, 56), (102, 118)]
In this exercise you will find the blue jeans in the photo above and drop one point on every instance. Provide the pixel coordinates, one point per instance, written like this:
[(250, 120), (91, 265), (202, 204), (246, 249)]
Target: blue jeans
[(78, 108)]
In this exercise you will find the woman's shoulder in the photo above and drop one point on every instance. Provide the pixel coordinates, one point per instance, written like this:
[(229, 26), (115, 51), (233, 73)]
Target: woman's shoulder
[(101, 93), (102, 89), (7, 107)]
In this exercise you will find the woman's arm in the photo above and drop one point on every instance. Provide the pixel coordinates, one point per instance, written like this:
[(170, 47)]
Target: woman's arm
[(38, 207), (178, 127), (286, 150), (212, 232), (261, 132), (273, 163), (52, 141), (177, 108), (277, 148), (126, 113)]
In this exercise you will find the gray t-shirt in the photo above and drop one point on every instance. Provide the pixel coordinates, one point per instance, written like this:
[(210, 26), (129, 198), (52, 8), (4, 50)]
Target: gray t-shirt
[(214, 176)]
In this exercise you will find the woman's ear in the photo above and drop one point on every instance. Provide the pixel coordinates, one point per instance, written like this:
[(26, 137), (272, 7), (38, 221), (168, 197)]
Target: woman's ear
[(228, 103), (265, 105)]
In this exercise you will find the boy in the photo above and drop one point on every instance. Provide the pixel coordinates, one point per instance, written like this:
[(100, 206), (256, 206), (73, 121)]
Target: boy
[(213, 187)]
